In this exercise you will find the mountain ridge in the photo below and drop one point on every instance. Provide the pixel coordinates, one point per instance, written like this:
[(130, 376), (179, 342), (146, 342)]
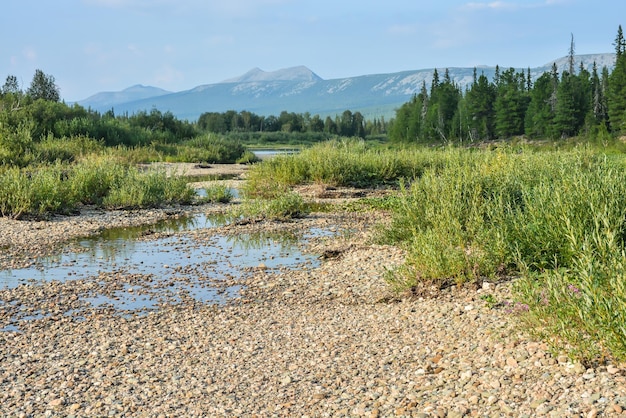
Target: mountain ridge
[(298, 89), (132, 93), (298, 73)]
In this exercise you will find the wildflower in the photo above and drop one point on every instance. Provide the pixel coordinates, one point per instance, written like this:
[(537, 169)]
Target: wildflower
[(521, 307), (573, 289)]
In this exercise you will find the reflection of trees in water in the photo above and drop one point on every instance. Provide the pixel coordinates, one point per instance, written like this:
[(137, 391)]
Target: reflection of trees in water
[(259, 240), (122, 241)]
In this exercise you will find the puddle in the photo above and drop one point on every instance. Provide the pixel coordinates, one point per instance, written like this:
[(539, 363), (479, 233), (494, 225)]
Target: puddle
[(264, 154), (171, 269)]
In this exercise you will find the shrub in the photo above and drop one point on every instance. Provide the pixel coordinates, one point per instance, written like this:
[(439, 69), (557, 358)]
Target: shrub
[(555, 219), (287, 205)]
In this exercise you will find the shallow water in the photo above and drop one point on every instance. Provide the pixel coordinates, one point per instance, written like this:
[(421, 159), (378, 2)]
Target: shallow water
[(169, 269)]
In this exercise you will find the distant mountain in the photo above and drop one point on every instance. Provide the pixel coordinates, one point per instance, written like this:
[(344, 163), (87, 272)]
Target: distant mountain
[(106, 100), (300, 73), (300, 90)]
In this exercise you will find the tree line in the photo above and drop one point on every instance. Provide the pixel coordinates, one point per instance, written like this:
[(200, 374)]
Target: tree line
[(347, 124), (554, 106), (40, 110)]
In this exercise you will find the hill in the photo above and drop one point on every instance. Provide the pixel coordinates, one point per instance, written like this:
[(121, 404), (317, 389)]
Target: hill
[(300, 90)]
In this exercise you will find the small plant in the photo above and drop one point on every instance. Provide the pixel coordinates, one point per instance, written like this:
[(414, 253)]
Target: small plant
[(217, 194), (284, 206), (490, 300)]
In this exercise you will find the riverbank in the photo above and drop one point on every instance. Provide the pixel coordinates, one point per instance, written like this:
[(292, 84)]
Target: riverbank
[(323, 341)]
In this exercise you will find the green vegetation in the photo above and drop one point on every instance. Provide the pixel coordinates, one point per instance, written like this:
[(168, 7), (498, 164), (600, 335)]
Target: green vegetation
[(61, 188), (282, 206), (556, 106), (345, 162), (556, 221), (295, 127)]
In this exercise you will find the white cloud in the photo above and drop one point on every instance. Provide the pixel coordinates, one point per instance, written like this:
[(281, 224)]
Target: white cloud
[(510, 5), (494, 5)]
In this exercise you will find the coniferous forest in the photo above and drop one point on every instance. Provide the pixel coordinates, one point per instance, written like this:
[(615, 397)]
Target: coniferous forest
[(554, 106)]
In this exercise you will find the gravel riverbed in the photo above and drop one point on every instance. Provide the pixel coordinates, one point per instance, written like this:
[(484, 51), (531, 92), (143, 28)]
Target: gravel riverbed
[(327, 340)]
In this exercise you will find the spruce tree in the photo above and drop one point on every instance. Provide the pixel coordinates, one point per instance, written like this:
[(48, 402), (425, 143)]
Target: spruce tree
[(565, 123), (540, 114), (617, 87), (480, 100), (511, 104)]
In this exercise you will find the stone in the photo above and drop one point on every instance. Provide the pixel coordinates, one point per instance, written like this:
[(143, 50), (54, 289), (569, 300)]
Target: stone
[(611, 369), (536, 403), (511, 362), (56, 402)]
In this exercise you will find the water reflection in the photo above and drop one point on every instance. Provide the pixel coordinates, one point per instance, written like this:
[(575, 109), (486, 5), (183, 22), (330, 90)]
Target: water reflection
[(168, 269)]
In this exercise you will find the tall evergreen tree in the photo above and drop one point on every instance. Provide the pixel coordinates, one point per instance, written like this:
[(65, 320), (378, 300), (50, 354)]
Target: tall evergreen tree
[(565, 123), (443, 105), (617, 87), (511, 104), (540, 114), (480, 100), (571, 55)]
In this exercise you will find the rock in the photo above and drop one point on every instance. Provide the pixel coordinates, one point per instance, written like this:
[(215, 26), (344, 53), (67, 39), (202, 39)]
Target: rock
[(56, 402), (511, 362), (536, 403), (611, 369)]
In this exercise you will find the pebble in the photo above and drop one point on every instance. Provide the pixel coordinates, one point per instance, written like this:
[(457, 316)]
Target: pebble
[(333, 340)]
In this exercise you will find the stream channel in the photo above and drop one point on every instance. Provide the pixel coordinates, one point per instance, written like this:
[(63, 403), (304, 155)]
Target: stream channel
[(174, 267)]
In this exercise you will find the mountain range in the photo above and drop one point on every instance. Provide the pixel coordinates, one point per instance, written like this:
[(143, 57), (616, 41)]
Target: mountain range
[(300, 90)]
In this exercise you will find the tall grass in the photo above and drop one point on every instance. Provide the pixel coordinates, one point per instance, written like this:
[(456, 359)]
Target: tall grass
[(99, 180), (345, 162), (555, 219)]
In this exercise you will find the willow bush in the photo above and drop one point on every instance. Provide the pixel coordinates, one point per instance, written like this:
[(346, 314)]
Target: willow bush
[(556, 220)]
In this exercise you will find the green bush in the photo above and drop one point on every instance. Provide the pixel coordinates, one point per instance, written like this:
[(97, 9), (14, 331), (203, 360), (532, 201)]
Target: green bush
[(102, 181), (347, 162), (34, 192), (557, 220), (287, 205), (152, 189), (217, 194)]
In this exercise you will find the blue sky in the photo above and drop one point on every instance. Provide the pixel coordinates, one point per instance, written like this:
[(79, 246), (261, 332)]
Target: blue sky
[(91, 46)]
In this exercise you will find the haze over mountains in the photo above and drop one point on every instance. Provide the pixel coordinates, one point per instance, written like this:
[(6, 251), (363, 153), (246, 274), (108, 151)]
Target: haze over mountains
[(300, 90)]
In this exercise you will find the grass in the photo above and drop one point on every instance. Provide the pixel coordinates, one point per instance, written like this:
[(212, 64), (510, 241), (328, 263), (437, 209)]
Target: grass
[(202, 149), (553, 220), (556, 220), (36, 191), (346, 162), (283, 206), (57, 175)]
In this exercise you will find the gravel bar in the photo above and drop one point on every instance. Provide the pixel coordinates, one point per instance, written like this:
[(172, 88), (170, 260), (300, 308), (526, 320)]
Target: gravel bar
[(329, 341)]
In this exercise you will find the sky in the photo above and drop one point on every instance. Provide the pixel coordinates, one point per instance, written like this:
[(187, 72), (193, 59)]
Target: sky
[(91, 46)]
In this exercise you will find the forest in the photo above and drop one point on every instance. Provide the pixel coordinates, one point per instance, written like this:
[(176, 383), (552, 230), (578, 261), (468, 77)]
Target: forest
[(554, 106)]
